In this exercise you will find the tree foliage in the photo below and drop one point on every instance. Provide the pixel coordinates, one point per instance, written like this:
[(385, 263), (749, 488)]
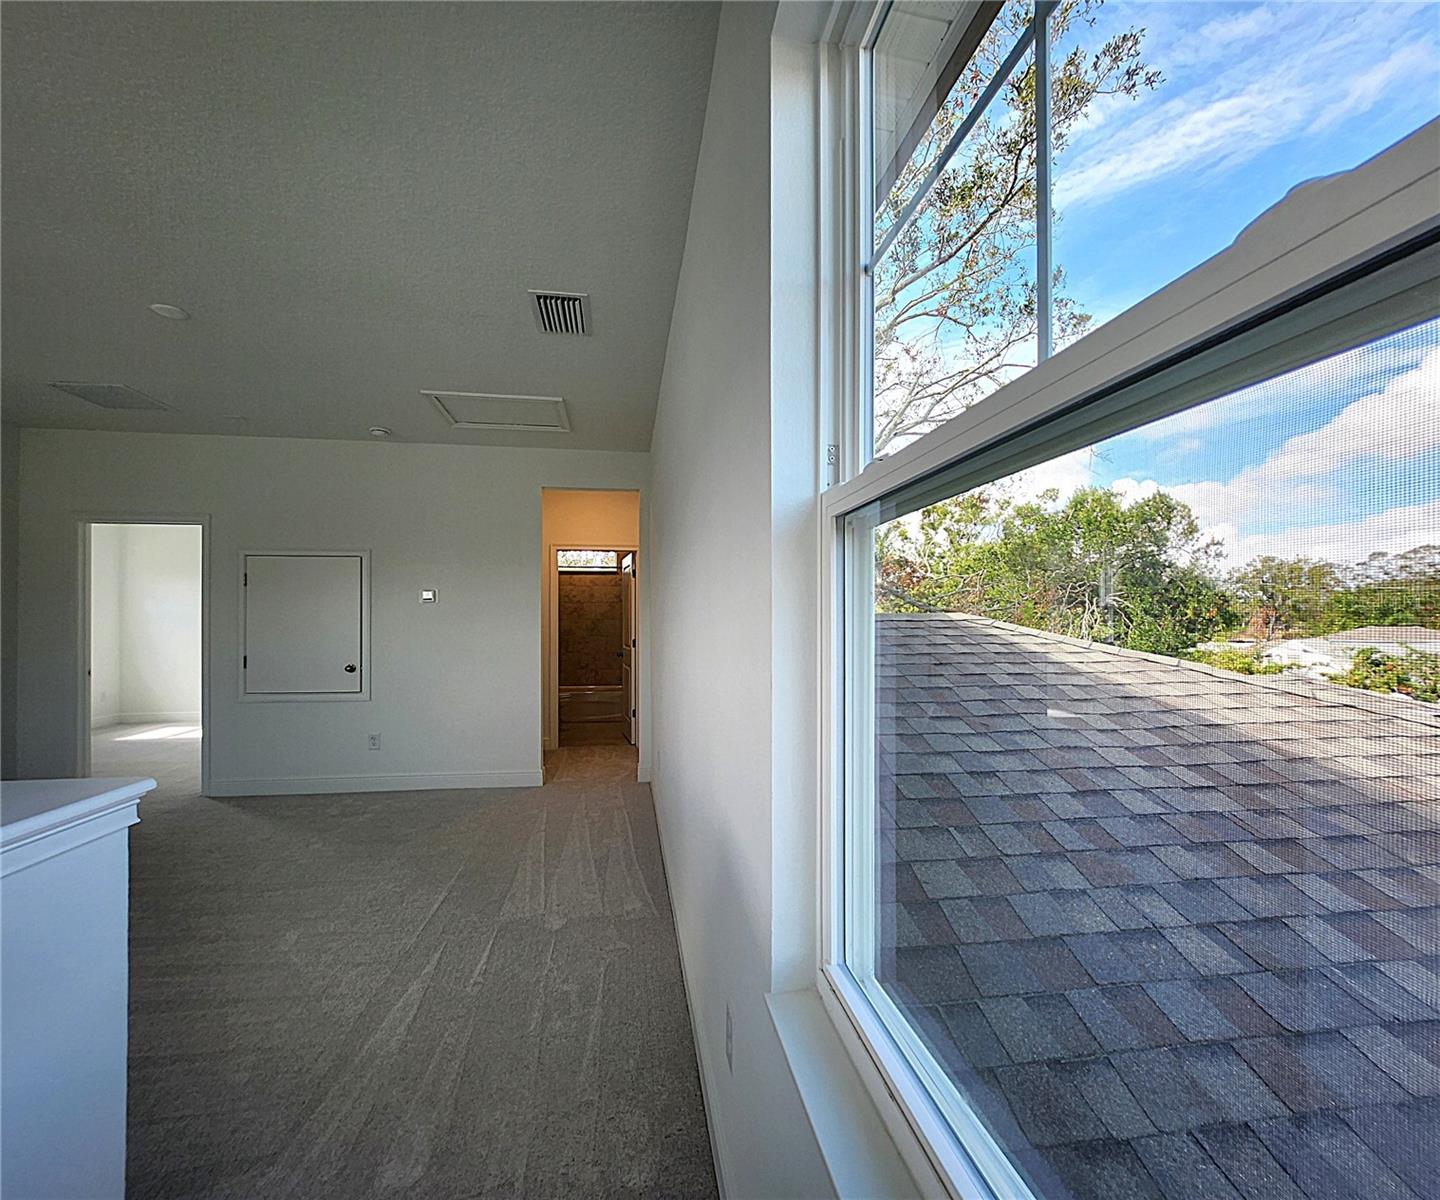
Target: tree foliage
[(1285, 595), (1415, 674), (1242, 662), (1092, 567), (1387, 589), (1298, 597), (1141, 575)]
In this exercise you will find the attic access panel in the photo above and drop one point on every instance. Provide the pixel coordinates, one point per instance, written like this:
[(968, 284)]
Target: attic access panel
[(304, 625), (481, 410), (112, 395)]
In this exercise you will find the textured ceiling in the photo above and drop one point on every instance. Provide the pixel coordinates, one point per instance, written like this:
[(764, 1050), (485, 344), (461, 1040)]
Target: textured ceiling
[(352, 201)]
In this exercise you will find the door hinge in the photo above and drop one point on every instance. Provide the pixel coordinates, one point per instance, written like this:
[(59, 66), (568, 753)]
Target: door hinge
[(832, 455), (632, 643), (632, 714), (245, 579), (245, 662)]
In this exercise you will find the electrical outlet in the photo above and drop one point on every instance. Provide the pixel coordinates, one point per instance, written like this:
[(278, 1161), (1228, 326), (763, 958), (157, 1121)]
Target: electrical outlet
[(374, 741), (729, 1041)]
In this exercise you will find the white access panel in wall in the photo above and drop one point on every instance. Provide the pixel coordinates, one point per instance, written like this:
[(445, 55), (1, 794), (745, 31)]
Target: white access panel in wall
[(305, 618)]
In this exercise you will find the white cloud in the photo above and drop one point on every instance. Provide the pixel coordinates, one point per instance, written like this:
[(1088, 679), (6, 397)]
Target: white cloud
[(1340, 375), (1183, 135), (1362, 91), (1400, 421), (1223, 37), (1396, 422), (1243, 83), (1395, 529), (1065, 474)]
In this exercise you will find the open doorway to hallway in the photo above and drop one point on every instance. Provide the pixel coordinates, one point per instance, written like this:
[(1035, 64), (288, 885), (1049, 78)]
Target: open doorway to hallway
[(143, 660)]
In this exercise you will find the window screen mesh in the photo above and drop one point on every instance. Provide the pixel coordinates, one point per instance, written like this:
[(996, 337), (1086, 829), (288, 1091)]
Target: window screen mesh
[(1157, 793)]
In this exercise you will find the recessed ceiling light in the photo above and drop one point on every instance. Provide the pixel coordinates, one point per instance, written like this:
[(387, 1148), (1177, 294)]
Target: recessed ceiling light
[(170, 312), (379, 431)]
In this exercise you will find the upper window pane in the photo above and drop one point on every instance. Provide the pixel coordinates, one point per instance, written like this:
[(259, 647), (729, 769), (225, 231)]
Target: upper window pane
[(1153, 792), (930, 64), (1173, 126), (954, 294), (1238, 103), (907, 66)]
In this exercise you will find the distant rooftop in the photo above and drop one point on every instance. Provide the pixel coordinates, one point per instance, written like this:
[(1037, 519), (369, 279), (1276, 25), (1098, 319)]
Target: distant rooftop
[(1176, 930), (1385, 635)]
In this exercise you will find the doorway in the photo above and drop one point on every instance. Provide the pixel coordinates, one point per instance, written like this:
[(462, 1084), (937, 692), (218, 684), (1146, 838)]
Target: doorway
[(142, 661), (595, 532), (595, 646)]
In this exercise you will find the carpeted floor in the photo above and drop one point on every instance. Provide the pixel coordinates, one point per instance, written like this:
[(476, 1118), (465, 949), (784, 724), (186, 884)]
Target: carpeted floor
[(458, 994)]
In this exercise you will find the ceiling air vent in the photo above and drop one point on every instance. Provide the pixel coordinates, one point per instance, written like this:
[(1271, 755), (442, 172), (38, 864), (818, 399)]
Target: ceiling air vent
[(111, 395), (562, 312), (477, 410)]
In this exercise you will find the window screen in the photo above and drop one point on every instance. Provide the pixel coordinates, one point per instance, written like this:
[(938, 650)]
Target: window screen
[(1151, 785)]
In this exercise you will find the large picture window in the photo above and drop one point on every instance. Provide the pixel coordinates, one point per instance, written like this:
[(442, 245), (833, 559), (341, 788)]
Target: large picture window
[(1132, 651), (1155, 792), (1008, 178)]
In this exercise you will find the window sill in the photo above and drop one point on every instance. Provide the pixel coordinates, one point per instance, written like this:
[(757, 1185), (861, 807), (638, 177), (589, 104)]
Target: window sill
[(859, 1151)]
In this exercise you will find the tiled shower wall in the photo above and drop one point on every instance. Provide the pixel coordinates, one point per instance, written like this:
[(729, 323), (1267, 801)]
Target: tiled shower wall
[(590, 630)]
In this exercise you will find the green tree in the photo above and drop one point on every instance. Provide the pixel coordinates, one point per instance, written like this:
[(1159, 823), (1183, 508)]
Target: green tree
[(1388, 589), (1287, 595), (1139, 575), (954, 297), (1415, 674)]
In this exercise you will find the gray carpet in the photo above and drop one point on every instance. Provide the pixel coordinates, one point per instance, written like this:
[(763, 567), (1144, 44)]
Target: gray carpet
[(459, 994)]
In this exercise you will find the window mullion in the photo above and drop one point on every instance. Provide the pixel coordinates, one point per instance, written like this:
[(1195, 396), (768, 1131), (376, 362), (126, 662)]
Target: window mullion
[(1044, 270)]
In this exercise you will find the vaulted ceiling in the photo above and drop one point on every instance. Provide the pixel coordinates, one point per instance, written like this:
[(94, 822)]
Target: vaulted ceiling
[(351, 201)]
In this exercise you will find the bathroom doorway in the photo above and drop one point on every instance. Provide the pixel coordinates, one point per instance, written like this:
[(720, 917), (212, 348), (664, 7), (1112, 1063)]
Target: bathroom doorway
[(593, 604), (595, 646)]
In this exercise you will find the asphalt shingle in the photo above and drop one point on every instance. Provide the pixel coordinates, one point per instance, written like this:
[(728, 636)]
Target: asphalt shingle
[(1176, 932)]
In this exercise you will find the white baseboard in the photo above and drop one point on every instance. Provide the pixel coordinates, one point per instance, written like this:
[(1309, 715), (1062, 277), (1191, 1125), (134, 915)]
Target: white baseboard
[(155, 718), (719, 1148), (316, 786)]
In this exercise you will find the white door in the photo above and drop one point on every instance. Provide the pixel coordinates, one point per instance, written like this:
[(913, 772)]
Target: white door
[(627, 642), (303, 622)]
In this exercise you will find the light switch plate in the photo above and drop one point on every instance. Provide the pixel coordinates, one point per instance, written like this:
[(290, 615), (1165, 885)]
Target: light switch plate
[(429, 596)]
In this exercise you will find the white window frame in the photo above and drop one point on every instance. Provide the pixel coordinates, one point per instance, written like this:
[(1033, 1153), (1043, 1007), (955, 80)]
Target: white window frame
[(1339, 262)]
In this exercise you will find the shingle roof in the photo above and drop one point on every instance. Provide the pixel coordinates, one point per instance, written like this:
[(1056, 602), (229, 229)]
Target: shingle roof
[(1175, 930)]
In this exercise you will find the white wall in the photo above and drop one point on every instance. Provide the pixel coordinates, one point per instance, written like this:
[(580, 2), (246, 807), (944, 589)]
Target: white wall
[(9, 593), (455, 685), (582, 520), (160, 610), (144, 623), (717, 635), (106, 624)]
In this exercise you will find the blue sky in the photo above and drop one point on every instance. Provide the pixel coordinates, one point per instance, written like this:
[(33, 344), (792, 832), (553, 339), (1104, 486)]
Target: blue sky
[(1336, 460), (1256, 98)]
